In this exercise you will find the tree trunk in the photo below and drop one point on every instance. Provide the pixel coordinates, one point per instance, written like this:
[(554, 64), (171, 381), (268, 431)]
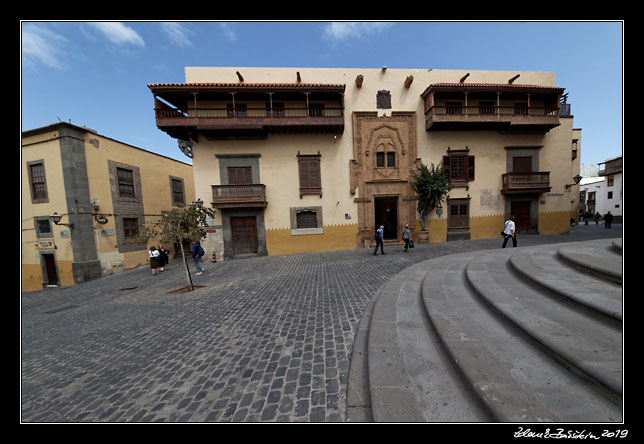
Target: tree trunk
[(183, 254)]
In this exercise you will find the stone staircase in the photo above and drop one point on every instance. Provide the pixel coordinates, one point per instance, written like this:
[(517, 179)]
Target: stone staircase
[(528, 334)]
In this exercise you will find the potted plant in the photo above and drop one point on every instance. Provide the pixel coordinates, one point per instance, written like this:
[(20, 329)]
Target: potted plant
[(431, 185)]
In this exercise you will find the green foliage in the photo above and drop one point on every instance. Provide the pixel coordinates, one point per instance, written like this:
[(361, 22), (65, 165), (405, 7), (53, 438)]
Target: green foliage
[(431, 185), (177, 225)]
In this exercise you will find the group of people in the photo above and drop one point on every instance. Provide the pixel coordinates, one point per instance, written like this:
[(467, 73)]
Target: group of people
[(380, 235), (159, 257), (608, 218)]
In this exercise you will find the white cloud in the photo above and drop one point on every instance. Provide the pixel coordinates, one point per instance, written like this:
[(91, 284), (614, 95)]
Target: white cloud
[(118, 33), (344, 30), (178, 33), (228, 31), (41, 45)]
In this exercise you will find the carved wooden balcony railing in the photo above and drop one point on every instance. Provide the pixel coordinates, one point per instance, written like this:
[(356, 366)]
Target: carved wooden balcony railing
[(514, 183), (239, 196)]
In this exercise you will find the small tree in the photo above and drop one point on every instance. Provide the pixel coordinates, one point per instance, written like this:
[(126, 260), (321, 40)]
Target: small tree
[(431, 185), (178, 225)]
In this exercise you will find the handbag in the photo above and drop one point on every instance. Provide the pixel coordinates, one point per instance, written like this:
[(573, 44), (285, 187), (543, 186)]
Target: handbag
[(411, 243)]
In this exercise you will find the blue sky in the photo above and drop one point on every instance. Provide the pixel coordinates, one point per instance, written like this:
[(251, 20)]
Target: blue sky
[(96, 73)]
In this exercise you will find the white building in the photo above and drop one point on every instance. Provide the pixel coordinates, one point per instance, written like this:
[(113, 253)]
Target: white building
[(604, 192)]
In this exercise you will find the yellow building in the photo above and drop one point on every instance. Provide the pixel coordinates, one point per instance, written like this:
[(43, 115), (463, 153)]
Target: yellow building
[(300, 159), (104, 190)]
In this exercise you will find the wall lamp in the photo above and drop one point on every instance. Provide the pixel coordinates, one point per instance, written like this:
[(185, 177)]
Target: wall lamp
[(577, 179), (55, 218)]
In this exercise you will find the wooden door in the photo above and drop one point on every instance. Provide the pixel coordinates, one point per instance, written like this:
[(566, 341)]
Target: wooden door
[(244, 230), (522, 164), (459, 215), (521, 212)]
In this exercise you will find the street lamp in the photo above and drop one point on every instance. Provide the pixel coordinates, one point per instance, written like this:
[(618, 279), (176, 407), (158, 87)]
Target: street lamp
[(55, 218), (198, 203), (577, 179)]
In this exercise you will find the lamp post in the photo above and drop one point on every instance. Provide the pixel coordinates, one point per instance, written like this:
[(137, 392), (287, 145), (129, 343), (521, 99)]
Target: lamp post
[(55, 218), (577, 179)]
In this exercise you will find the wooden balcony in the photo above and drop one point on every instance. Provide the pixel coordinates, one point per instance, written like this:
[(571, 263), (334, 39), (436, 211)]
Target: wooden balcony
[(515, 183), (247, 110), (248, 123), (498, 118), (239, 196), (511, 108)]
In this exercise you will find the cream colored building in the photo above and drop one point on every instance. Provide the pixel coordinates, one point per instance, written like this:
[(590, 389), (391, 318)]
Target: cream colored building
[(104, 190), (299, 160)]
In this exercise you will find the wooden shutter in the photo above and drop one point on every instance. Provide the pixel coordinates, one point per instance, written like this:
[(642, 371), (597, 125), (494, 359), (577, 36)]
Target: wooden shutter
[(309, 172), (470, 168), (446, 167)]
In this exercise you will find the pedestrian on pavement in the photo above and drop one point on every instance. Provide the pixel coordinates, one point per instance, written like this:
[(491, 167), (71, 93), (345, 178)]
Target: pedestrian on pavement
[(197, 252), (406, 236), (597, 217), (608, 220), (509, 231), (163, 257), (380, 232), (154, 260)]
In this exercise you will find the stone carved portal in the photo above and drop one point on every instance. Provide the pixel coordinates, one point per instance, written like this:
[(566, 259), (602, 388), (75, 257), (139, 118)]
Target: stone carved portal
[(384, 157)]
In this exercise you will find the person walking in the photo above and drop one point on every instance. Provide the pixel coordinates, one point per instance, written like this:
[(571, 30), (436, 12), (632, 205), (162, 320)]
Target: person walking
[(380, 232), (154, 260), (509, 232), (163, 257), (597, 218), (608, 220), (197, 252), (406, 236)]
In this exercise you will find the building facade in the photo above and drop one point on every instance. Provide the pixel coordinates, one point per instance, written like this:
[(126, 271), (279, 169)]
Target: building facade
[(299, 160), (104, 190), (604, 192)]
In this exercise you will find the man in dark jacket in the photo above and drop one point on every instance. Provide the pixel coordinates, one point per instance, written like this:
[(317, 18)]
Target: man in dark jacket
[(197, 252), (608, 219)]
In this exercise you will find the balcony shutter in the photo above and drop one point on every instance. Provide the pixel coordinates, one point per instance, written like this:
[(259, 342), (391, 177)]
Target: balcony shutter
[(470, 168)]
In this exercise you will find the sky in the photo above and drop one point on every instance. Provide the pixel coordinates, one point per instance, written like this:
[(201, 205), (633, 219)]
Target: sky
[(95, 74)]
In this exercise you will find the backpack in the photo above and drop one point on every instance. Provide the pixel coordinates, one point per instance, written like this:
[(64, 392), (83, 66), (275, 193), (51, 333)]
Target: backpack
[(377, 236), (200, 252)]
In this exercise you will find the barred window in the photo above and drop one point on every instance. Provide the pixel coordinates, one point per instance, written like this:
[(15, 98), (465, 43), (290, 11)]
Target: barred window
[(307, 219), (38, 183), (177, 192), (125, 180), (130, 228)]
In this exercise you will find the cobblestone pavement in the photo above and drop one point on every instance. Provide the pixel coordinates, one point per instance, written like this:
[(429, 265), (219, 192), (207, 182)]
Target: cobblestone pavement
[(265, 339)]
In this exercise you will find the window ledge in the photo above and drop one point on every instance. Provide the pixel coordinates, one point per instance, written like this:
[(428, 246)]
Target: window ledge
[(306, 231)]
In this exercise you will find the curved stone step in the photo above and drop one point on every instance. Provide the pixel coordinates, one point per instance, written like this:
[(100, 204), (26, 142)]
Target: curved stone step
[(515, 380), (595, 257), (542, 267), (410, 377), (580, 342)]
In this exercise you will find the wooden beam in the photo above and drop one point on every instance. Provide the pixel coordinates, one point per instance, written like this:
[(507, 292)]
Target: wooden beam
[(514, 78), (464, 77), (359, 80), (408, 81), (241, 79)]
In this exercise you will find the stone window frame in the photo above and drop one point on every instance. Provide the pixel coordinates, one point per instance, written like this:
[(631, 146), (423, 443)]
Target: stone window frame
[(31, 185), (126, 207), (41, 234), (306, 231)]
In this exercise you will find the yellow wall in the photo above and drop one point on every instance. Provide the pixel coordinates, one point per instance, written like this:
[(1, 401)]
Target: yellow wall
[(335, 237), (155, 183)]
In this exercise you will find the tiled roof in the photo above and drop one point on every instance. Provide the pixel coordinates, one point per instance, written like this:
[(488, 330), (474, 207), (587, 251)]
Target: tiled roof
[(493, 85), (244, 85)]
